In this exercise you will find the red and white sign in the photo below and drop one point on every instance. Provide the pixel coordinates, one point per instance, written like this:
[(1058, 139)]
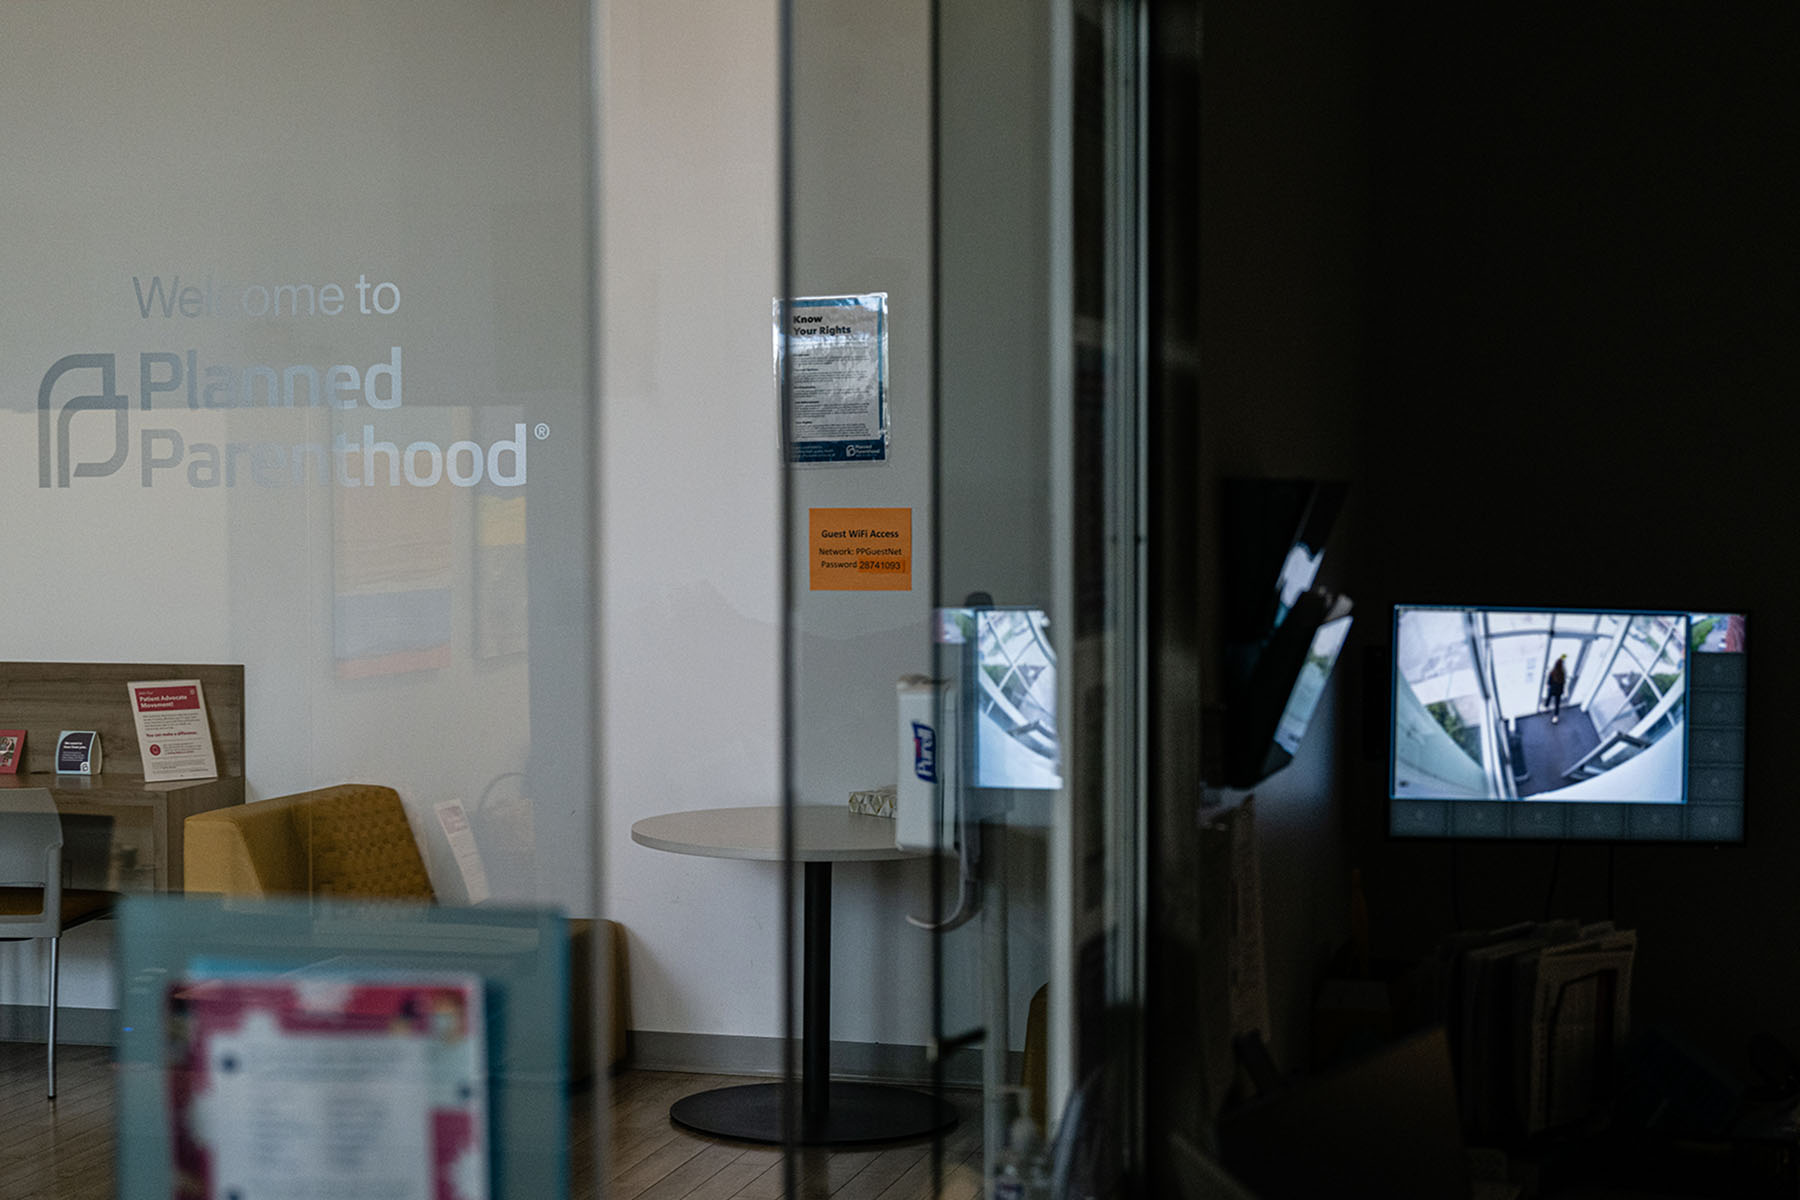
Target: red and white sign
[(172, 732), (302, 1086)]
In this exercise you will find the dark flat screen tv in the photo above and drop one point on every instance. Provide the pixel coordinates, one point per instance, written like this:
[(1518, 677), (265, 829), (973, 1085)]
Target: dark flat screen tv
[(1591, 724)]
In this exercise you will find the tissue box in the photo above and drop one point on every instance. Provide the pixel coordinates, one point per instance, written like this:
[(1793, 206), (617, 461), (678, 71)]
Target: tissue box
[(876, 802)]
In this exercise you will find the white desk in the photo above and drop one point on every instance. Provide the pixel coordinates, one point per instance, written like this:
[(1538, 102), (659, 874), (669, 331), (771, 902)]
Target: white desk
[(831, 1113)]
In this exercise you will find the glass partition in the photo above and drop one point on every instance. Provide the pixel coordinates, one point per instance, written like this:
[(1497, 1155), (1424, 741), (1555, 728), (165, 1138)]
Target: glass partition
[(302, 384), (854, 334), (959, 367), (394, 360), (296, 391)]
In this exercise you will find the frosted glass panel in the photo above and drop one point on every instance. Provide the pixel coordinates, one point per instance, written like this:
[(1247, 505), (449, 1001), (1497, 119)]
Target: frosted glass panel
[(296, 378)]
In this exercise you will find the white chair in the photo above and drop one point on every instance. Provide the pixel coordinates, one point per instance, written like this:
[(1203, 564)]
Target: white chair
[(33, 901)]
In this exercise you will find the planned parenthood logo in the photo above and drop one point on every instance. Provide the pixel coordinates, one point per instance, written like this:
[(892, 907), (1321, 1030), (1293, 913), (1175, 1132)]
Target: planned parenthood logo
[(106, 399), (84, 389)]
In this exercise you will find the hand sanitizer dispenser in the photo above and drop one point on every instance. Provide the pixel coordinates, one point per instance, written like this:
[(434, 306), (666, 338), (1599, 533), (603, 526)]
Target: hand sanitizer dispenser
[(929, 764)]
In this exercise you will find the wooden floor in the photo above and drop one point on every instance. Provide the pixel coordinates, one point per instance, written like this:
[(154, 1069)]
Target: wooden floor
[(63, 1150)]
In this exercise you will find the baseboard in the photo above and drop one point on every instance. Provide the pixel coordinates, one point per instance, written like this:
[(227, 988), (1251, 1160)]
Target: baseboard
[(731, 1054), (74, 1026)]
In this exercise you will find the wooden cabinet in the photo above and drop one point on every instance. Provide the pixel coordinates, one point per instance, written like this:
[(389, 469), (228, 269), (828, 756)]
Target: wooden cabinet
[(119, 831)]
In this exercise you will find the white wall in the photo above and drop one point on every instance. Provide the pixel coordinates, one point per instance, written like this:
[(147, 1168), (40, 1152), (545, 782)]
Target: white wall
[(690, 600), (691, 520), (862, 175)]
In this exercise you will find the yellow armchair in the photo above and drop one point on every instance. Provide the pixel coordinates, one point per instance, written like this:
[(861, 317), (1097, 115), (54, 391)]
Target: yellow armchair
[(353, 841)]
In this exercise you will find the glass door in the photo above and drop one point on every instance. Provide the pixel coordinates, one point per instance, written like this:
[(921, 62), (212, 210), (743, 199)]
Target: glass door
[(853, 336), (961, 362), (1038, 488)]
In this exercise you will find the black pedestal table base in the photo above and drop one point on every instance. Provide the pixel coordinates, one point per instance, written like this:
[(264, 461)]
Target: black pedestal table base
[(828, 1112), (854, 1112)]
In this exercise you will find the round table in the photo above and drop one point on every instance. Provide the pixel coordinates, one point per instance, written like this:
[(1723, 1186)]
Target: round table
[(831, 1113)]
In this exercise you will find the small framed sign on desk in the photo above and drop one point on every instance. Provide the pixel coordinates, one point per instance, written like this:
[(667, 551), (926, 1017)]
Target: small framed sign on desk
[(78, 752), (173, 740)]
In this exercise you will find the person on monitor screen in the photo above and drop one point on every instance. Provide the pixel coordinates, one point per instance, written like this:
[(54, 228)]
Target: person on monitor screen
[(1553, 687)]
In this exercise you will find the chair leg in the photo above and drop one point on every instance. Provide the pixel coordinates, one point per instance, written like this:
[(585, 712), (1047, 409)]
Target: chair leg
[(51, 1040)]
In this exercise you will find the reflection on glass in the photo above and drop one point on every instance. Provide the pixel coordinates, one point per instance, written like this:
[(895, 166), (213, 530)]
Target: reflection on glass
[(1297, 574), (1015, 701), (1309, 685)]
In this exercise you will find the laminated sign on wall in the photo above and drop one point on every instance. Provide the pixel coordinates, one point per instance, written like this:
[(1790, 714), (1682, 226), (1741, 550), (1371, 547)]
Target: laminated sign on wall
[(831, 366)]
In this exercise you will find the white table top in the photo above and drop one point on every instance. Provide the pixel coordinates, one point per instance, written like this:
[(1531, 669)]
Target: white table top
[(822, 833)]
